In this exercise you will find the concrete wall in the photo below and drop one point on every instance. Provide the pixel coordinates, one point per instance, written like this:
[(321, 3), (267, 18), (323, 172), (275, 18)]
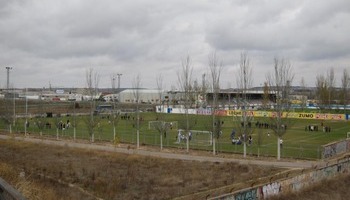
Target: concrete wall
[(7, 192), (335, 148), (292, 184)]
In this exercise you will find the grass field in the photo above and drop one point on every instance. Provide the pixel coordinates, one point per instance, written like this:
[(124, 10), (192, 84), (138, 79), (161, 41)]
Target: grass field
[(297, 142)]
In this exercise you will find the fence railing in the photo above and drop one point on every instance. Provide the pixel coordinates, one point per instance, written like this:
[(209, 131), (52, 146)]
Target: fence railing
[(301, 151)]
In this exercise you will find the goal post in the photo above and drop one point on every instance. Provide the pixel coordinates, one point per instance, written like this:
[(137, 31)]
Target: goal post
[(196, 137)]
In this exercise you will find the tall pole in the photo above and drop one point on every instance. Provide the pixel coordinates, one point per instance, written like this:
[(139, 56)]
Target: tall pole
[(113, 117), (119, 75), (14, 108), (26, 123), (8, 78)]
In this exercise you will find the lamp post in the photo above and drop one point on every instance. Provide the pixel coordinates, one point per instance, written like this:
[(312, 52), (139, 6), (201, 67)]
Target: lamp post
[(8, 78), (8, 91), (119, 75), (113, 113)]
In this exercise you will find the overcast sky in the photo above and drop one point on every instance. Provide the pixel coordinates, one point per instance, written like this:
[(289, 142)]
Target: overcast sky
[(55, 42)]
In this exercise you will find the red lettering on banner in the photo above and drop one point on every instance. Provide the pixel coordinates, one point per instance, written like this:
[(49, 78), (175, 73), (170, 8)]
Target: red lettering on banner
[(220, 112)]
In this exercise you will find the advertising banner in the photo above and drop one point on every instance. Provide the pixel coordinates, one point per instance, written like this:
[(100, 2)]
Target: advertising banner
[(294, 115)]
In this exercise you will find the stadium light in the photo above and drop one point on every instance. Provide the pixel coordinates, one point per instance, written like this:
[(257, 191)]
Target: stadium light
[(8, 78)]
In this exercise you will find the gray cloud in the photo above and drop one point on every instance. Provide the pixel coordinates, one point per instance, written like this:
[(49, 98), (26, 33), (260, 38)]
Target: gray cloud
[(56, 41)]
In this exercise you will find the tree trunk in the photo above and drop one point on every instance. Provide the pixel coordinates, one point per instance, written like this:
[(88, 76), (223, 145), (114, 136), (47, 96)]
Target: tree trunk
[(244, 148), (278, 148), (214, 148)]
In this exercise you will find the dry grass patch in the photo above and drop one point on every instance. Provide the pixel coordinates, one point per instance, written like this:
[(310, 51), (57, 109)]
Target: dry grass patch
[(119, 176)]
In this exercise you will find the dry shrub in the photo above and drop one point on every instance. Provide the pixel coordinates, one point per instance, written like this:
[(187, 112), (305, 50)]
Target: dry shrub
[(27, 187), (133, 158)]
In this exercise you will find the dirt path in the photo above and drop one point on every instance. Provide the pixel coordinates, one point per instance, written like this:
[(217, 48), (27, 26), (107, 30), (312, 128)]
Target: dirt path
[(181, 155)]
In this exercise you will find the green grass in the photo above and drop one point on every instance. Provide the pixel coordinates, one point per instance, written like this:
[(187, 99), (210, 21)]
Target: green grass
[(297, 143)]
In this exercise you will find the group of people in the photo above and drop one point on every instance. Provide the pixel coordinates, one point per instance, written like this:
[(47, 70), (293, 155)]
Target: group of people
[(182, 137), (63, 126), (325, 129), (240, 138)]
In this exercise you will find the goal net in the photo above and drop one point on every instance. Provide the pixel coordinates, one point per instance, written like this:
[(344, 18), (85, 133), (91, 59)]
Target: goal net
[(196, 137), (155, 124)]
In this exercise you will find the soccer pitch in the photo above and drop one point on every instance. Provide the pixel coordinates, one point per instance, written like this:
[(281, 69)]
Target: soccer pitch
[(298, 142)]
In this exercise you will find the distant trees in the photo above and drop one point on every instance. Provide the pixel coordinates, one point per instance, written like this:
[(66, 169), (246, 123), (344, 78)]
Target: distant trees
[(345, 85), (325, 89), (328, 94)]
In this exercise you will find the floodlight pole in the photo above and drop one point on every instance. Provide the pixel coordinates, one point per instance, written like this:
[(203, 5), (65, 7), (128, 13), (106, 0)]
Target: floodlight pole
[(26, 123), (113, 117), (119, 76), (8, 78)]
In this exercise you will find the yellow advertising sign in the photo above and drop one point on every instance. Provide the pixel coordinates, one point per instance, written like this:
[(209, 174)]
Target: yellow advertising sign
[(294, 115)]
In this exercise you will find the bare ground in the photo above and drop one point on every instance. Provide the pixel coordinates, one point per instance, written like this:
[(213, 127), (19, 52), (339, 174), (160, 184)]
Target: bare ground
[(52, 172)]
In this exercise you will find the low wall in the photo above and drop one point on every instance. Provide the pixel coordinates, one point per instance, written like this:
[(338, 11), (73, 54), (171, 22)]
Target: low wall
[(292, 184), (7, 192), (335, 148)]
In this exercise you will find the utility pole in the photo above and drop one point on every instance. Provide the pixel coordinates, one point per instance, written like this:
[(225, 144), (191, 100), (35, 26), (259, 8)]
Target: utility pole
[(8, 78), (113, 90), (119, 75)]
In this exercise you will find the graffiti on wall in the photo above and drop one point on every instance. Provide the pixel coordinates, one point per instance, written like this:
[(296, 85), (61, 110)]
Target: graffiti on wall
[(270, 190), (291, 184), (330, 150), (247, 195)]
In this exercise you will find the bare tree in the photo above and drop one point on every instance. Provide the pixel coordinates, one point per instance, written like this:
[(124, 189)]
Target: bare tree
[(92, 81), (266, 97), (280, 83), (115, 114), (186, 87), (160, 87), (345, 84), (325, 88), (331, 86), (321, 91), (304, 96), (204, 91), (137, 96), (215, 67), (244, 82), (40, 121), (162, 127)]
